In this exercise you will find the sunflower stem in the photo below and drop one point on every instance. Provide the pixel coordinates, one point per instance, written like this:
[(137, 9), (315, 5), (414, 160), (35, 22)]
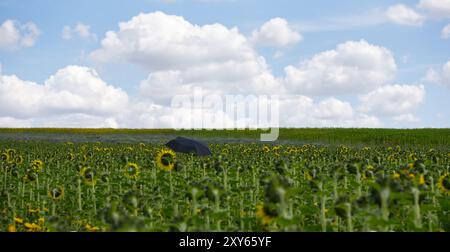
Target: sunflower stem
[(53, 208), (323, 220), (80, 208), (384, 195), (9, 199), (417, 215), (349, 217), (94, 203), (5, 179), (171, 185), (335, 186), (37, 190)]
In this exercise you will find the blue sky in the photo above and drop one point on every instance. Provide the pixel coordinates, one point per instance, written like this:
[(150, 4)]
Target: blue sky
[(412, 32)]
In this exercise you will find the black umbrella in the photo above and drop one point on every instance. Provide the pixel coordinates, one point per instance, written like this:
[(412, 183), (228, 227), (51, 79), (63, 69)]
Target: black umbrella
[(186, 145)]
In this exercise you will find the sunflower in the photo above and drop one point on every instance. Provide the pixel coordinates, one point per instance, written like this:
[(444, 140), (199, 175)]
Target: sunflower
[(37, 165), (56, 193), (165, 159), (29, 176), (11, 152), (308, 176), (18, 220), (70, 156), (396, 175), (91, 228), (87, 174), (19, 160), (444, 184), (422, 179), (5, 157), (262, 214), (413, 156), (32, 227), (11, 229), (132, 170), (266, 149), (8, 156), (33, 210)]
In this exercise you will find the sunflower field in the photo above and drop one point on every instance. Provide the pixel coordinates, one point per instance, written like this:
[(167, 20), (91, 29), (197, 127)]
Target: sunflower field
[(100, 187)]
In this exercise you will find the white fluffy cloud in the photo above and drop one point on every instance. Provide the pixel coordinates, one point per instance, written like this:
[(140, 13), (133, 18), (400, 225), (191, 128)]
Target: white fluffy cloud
[(403, 15), (10, 122), (162, 86), (406, 118), (180, 55), (393, 100), (432, 76), (14, 35), (445, 74), (441, 76), (436, 8), (80, 29), (353, 67), (277, 33), (77, 97), (158, 41), (72, 91), (333, 108), (303, 111), (445, 33)]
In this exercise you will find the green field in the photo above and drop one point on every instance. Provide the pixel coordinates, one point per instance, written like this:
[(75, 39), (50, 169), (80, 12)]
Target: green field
[(307, 135), (310, 180)]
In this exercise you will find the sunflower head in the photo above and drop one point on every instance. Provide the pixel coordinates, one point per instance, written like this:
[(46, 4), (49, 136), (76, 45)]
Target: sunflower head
[(412, 157), (11, 152), (32, 210), (11, 228), (444, 184), (18, 220), (165, 159), (19, 160), (87, 174), (263, 213), (91, 228), (396, 175), (132, 170), (70, 156), (32, 227), (30, 176), (422, 179), (308, 176), (4, 157), (37, 166), (85, 158), (56, 193)]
